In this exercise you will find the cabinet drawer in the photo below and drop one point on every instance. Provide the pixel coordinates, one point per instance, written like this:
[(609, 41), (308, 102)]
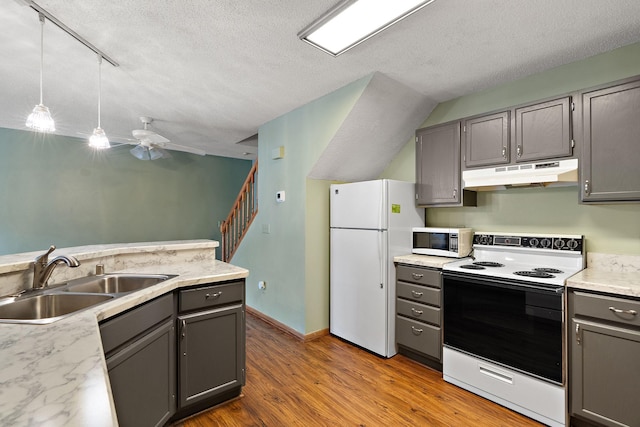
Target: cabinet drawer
[(614, 309), (424, 313), (418, 293), (419, 336), (211, 296), (422, 276), (118, 330)]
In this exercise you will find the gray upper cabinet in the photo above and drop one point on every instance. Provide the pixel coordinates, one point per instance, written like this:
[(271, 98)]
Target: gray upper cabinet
[(487, 140), (543, 130), (438, 165), (611, 143)]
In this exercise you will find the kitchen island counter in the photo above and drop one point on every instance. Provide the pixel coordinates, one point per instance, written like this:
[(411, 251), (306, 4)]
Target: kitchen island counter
[(55, 374)]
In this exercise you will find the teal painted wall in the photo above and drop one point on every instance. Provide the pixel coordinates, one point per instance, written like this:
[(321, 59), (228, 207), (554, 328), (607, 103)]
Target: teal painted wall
[(292, 257), (56, 190), (608, 228)]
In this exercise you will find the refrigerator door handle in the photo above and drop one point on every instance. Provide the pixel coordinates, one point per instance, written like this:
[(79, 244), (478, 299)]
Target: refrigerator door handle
[(380, 256)]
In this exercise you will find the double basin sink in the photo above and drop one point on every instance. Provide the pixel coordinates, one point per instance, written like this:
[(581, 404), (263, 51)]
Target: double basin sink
[(56, 302)]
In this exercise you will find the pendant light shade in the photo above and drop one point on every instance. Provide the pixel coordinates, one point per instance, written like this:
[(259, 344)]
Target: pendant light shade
[(40, 118), (98, 139)]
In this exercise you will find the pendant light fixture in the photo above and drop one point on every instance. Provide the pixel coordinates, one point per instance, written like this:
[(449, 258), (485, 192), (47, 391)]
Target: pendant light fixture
[(98, 139), (40, 118)]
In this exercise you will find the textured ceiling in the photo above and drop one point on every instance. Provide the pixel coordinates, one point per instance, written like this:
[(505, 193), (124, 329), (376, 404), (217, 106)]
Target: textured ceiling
[(211, 72), (380, 123)]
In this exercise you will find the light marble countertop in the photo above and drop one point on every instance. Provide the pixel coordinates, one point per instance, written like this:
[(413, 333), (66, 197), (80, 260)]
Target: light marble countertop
[(23, 261), (423, 260), (617, 283), (55, 374), (614, 274)]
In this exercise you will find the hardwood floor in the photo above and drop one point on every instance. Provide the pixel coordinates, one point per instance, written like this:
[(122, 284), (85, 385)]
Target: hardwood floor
[(327, 382)]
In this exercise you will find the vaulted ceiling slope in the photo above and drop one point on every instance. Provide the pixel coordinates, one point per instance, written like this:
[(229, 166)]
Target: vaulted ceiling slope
[(211, 72), (375, 130)]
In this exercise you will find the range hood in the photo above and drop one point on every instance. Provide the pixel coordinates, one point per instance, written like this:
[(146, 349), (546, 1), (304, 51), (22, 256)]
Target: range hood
[(562, 172)]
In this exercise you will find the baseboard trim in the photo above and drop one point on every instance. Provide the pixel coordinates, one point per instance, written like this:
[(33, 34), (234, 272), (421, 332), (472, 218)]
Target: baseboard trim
[(286, 329)]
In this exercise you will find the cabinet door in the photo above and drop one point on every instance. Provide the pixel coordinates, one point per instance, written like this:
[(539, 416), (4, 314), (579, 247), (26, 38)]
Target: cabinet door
[(611, 147), (487, 140), (605, 373), (543, 131), (211, 353), (438, 165), (142, 377)]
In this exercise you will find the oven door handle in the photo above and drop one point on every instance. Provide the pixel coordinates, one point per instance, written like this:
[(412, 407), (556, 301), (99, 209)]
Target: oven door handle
[(502, 283)]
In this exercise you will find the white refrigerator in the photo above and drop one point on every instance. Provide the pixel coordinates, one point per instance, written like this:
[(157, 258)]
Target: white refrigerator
[(370, 223)]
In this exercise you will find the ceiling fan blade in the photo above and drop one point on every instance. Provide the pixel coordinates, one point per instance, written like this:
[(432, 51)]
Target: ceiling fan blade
[(149, 136)]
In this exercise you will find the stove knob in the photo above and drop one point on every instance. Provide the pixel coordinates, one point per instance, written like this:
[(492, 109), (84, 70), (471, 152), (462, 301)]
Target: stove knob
[(559, 243), (484, 239), (545, 243), (533, 242), (572, 244)]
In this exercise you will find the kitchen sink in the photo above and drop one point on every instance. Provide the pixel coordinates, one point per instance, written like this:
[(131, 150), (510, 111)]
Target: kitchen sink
[(115, 283), (57, 301), (47, 308)]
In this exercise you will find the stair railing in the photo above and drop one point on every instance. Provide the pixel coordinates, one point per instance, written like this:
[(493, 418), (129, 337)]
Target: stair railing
[(244, 210)]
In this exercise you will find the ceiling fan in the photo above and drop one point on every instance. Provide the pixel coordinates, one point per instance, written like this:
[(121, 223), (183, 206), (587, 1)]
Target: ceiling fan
[(151, 145)]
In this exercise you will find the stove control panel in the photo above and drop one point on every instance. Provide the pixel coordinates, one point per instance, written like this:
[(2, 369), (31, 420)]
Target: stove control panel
[(573, 243)]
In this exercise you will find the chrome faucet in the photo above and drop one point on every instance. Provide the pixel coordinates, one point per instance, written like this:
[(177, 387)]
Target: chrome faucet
[(42, 267)]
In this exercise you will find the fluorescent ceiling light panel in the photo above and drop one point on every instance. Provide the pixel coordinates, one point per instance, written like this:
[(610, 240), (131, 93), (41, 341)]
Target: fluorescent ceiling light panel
[(353, 21)]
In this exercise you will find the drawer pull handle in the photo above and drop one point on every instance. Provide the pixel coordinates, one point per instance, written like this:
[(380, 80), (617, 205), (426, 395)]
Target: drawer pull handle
[(416, 294), (416, 312), (619, 311), (417, 275), (213, 296), (416, 331), (493, 373)]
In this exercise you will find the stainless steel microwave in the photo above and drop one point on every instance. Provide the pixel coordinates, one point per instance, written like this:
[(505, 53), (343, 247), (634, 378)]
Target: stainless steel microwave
[(450, 242)]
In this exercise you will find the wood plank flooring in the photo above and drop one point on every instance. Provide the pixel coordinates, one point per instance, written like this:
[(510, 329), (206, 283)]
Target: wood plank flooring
[(327, 382)]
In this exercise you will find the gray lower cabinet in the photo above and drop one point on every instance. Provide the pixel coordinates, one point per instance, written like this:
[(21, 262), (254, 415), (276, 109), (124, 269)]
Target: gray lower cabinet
[(211, 345), (611, 148), (418, 313), (438, 179), (160, 373), (604, 359), (140, 354)]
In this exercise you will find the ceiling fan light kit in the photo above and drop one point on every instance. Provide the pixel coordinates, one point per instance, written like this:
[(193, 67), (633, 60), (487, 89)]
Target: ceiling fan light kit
[(146, 153)]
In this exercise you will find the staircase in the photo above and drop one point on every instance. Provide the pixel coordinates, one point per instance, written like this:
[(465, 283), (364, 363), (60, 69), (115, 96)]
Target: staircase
[(242, 213)]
